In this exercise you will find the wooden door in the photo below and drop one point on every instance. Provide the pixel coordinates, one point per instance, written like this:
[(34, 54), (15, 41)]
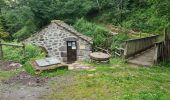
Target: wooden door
[(71, 51)]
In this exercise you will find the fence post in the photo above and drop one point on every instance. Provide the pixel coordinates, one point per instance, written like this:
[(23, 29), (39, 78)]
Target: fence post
[(23, 49), (156, 53), (1, 51), (125, 50), (166, 45)]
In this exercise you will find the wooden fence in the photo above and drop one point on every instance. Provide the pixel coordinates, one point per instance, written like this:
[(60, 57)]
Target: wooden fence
[(10, 44), (162, 50), (135, 46)]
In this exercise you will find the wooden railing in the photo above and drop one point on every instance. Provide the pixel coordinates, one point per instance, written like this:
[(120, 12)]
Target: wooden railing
[(13, 45), (159, 52), (135, 46), (162, 51), (118, 52)]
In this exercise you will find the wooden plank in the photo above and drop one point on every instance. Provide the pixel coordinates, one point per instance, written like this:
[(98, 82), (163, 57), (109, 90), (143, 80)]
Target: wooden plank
[(117, 54), (156, 54), (155, 36), (9, 44), (136, 46), (52, 67), (24, 51)]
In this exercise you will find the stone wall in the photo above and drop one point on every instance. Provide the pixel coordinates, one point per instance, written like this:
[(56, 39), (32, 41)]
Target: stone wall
[(54, 39)]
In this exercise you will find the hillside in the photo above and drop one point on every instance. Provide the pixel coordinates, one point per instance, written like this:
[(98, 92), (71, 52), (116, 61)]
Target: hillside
[(85, 49), (21, 18)]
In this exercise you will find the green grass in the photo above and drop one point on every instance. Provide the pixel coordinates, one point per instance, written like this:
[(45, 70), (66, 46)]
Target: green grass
[(117, 81), (32, 53), (7, 74), (51, 73)]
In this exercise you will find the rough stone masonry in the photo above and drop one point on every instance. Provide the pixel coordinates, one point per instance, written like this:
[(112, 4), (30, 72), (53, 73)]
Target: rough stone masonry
[(54, 39)]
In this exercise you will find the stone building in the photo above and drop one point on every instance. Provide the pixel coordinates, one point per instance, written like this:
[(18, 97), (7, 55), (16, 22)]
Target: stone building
[(62, 41)]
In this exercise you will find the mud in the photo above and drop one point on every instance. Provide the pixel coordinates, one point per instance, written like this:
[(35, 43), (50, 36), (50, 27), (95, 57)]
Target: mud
[(26, 87), (9, 65), (26, 79)]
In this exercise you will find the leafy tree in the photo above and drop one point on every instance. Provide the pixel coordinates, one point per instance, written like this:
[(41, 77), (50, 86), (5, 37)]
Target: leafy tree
[(15, 19), (143, 15)]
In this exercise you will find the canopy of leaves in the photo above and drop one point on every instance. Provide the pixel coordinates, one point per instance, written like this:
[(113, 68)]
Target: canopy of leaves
[(144, 15)]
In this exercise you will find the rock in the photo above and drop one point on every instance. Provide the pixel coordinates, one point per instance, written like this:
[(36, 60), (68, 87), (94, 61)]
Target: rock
[(18, 65)]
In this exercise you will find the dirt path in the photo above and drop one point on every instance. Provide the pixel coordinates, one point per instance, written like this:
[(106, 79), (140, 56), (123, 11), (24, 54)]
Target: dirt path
[(24, 90), (9, 65), (24, 86)]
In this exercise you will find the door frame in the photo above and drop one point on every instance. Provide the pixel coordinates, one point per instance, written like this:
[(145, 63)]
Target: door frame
[(76, 55)]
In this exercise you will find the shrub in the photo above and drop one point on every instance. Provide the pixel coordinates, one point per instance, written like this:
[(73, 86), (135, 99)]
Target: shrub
[(25, 31), (3, 34), (118, 40), (16, 54), (101, 36), (145, 21)]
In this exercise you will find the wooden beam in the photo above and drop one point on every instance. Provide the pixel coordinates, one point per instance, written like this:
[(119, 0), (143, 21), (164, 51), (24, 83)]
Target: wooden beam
[(9, 44), (24, 51)]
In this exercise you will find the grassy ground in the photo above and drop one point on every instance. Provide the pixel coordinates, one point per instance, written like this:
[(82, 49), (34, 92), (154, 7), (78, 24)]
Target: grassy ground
[(108, 82), (117, 81)]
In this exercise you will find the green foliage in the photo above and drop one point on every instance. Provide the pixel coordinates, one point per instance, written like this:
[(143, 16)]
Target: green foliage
[(115, 81), (31, 53), (119, 39), (146, 21), (3, 34), (2, 4), (16, 18), (7, 74), (19, 22), (26, 31), (101, 36), (140, 15), (29, 68), (16, 54)]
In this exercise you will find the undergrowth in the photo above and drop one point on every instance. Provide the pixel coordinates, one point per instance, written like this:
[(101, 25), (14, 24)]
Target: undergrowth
[(32, 53)]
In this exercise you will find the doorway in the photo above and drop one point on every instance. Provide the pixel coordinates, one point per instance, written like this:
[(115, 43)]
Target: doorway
[(71, 51)]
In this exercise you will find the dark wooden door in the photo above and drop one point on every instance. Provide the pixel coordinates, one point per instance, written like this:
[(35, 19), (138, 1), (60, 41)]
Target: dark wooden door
[(71, 51)]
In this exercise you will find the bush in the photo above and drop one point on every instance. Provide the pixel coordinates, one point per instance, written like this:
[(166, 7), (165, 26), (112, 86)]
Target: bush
[(100, 35), (25, 31), (3, 34), (145, 21), (16, 54), (118, 40)]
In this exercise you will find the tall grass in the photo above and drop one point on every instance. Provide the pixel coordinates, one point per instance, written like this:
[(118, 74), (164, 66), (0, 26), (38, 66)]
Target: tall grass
[(16, 54), (101, 36)]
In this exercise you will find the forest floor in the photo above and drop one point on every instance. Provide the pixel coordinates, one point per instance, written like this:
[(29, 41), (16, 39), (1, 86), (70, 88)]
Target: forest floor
[(116, 80)]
